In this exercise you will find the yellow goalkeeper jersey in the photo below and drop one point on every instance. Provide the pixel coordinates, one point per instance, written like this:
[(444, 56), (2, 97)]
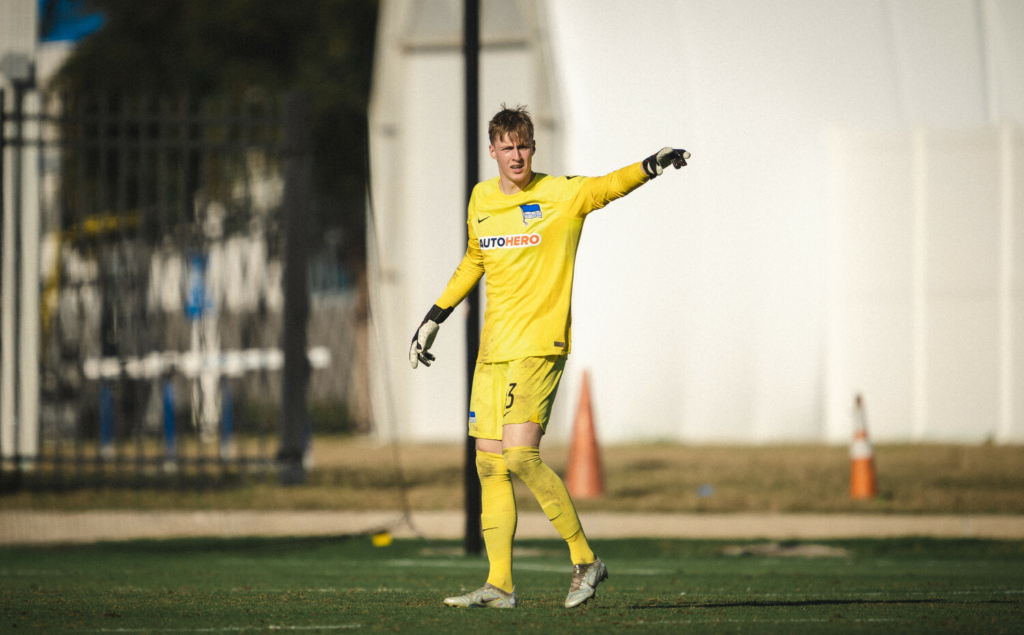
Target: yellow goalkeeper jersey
[(526, 244)]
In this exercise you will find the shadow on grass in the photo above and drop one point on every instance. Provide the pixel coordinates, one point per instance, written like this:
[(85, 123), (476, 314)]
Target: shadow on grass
[(756, 604)]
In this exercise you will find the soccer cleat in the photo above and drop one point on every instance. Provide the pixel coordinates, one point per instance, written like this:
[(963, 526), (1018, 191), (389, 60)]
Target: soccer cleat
[(585, 578), (488, 595)]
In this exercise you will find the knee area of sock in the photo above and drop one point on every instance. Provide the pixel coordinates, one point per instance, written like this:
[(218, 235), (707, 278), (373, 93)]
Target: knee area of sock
[(504, 520), (522, 460), (490, 465), (552, 511)]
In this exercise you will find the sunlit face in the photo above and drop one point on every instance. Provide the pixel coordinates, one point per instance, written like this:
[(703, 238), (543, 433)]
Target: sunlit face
[(515, 159)]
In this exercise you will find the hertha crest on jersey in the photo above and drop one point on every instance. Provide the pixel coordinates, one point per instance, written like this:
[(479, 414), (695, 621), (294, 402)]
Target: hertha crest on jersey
[(531, 211)]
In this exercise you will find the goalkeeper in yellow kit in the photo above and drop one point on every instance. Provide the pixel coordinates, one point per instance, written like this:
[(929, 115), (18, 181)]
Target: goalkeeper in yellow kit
[(524, 229)]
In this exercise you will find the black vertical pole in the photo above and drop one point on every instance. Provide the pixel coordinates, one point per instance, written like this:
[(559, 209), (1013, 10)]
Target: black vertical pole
[(471, 44), (295, 383), (3, 151), (16, 208)]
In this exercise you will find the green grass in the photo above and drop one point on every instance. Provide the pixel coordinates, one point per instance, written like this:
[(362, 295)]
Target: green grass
[(656, 586)]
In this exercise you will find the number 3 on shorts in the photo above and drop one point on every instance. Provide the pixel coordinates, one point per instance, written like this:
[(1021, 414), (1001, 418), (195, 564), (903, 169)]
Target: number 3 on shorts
[(511, 397)]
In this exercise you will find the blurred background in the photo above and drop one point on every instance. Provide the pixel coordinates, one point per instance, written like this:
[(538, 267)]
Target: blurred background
[(145, 289), (852, 222)]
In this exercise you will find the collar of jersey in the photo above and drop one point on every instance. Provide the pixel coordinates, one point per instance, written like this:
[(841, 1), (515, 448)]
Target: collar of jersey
[(537, 176)]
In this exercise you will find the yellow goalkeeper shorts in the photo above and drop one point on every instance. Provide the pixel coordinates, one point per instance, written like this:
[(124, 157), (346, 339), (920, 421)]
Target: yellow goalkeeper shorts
[(516, 391)]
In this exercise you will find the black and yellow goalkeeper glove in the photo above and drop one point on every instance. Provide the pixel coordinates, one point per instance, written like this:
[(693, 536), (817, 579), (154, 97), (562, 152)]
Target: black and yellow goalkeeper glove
[(424, 336), (655, 164)]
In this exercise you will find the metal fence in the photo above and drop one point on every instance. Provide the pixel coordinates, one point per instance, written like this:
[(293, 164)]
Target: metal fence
[(144, 261)]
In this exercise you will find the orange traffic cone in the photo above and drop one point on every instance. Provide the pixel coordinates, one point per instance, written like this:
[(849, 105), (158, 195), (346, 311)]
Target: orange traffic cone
[(863, 480), (584, 477)]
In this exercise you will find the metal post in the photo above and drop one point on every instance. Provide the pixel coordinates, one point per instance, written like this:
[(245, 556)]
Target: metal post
[(27, 206), (471, 44), (8, 316), (295, 384), (17, 400), (19, 102)]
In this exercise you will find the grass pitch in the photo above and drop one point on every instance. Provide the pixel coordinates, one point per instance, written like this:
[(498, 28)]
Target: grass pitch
[(656, 586)]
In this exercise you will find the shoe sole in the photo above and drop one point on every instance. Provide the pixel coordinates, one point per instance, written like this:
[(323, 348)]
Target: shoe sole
[(489, 605)]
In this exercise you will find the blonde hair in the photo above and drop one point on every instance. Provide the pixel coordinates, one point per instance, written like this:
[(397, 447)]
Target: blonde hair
[(514, 123)]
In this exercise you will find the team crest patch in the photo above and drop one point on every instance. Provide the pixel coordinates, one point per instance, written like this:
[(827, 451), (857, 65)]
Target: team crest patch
[(531, 211), (472, 417)]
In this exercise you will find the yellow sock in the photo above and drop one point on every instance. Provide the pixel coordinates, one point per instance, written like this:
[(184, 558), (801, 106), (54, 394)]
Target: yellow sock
[(498, 517), (553, 498)]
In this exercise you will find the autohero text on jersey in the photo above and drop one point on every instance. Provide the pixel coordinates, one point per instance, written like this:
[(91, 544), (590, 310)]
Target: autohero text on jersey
[(511, 241)]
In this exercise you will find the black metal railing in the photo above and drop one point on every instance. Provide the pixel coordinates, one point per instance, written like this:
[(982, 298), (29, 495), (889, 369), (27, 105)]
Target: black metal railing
[(161, 299)]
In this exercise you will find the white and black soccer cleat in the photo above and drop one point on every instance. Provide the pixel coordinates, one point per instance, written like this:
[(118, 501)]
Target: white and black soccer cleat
[(585, 578), (488, 596)]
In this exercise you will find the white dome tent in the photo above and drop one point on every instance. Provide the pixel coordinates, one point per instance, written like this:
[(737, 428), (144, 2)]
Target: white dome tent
[(852, 219)]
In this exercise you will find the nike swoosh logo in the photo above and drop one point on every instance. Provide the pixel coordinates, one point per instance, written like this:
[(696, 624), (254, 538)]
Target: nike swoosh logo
[(480, 220)]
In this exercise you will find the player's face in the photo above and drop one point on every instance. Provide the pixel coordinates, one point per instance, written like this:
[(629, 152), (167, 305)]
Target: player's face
[(515, 159)]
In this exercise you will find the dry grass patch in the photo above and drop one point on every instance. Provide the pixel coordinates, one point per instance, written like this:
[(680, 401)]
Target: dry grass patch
[(356, 473)]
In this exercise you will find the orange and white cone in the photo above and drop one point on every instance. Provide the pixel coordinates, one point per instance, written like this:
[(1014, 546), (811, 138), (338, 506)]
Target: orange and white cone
[(863, 479), (584, 478)]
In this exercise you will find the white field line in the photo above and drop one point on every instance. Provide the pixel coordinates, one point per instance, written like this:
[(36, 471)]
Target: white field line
[(691, 594), (161, 590), (325, 590), (227, 629), (136, 589), (892, 593), (524, 566), (755, 621)]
